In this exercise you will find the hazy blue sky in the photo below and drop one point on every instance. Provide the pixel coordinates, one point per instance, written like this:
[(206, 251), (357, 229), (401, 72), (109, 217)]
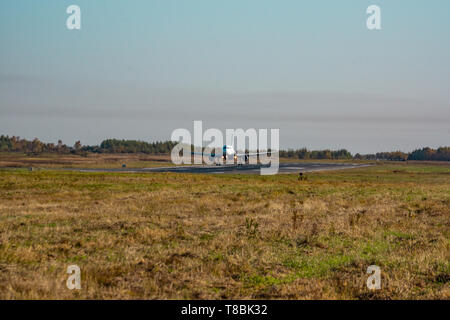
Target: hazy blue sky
[(140, 69)]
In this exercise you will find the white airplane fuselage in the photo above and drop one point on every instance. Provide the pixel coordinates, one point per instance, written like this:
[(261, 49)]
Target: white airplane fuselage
[(228, 152)]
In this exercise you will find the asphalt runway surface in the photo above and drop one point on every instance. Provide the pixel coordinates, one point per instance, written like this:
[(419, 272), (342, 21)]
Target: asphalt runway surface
[(284, 168)]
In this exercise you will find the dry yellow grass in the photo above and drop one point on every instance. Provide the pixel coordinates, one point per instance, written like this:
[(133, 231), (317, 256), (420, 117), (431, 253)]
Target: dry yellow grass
[(90, 160), (181, 236)]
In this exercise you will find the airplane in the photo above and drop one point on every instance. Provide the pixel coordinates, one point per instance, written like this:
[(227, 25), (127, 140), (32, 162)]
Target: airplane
[(228, 152)]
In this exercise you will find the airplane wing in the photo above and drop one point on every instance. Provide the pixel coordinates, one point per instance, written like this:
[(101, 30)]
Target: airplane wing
[(203, 154), (255, 153)]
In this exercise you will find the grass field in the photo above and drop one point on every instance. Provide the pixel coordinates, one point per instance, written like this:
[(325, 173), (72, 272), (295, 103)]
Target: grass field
[(186, 236), (52, 160)]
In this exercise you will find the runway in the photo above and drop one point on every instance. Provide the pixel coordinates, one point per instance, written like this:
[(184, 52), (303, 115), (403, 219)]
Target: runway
[(284, 168)]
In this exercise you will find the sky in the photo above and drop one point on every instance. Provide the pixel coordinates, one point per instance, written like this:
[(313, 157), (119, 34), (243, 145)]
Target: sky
[(141, 69)]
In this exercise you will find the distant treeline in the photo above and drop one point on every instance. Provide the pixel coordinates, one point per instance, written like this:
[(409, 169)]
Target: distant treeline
[(16, 144), (439, 154), (133, 146), (315, 154)]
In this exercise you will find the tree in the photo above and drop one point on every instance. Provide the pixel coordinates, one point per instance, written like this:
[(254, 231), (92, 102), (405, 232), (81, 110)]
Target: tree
[(77, 146)]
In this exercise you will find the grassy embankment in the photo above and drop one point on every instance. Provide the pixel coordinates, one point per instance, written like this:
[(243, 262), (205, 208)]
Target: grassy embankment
[(225, 236)]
